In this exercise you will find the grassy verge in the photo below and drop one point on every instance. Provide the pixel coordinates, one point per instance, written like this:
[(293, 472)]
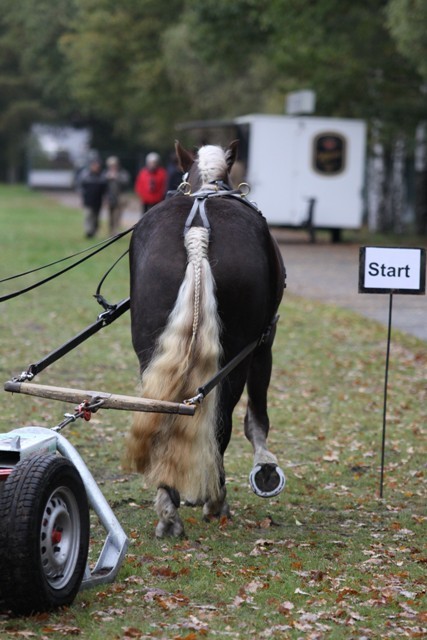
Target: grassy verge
[(326, 559)]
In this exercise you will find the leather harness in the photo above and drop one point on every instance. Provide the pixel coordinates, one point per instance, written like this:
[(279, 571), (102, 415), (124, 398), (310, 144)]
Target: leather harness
[(199, 207)]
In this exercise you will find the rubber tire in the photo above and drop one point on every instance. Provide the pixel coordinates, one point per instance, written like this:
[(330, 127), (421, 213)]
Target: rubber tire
[(35, 484)]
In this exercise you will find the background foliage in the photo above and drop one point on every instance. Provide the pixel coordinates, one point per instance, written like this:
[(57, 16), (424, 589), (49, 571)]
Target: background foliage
[(133, 70), (141, 67)]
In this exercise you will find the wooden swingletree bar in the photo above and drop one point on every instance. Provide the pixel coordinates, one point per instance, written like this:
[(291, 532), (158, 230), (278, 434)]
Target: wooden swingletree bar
[(109, 400)]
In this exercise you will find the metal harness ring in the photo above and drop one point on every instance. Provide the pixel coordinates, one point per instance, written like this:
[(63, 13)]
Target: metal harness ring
[(244, 189), (185, 188)]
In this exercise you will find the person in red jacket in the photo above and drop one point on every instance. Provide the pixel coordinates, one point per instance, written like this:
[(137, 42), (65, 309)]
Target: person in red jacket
[(151, 182)]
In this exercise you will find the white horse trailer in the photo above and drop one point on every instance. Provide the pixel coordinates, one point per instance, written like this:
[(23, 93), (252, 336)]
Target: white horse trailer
[(54, 154), (303, 171)]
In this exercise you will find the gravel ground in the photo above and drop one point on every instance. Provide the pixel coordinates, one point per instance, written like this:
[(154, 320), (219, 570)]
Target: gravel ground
[(330, 273), (322, 271)]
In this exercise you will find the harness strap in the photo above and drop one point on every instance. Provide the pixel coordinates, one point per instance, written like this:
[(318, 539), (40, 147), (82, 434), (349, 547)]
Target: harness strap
[(105, 244), (199, 206), (105, 318), (234, 362), (97, 295)]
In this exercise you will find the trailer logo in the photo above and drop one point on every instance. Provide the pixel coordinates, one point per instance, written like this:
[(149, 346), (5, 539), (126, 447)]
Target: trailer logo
[(329, 154)]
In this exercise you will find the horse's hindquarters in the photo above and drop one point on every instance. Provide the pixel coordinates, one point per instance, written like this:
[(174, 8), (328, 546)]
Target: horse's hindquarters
[(172, 451), (187, 320)]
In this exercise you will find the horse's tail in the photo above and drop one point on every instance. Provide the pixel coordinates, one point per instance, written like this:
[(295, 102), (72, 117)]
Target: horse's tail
[(174, 450)]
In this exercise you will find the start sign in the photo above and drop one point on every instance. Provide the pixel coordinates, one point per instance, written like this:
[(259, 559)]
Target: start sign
[(392, 270)]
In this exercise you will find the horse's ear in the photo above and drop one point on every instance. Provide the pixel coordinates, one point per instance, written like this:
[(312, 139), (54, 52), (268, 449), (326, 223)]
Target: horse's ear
[(185, 158), (231, 153)]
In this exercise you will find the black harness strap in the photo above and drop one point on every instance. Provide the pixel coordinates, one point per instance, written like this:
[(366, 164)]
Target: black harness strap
[(105, 244), (51, 264), (228, 368), (203, 391), (104, 319), (97, 295), (112, 312)]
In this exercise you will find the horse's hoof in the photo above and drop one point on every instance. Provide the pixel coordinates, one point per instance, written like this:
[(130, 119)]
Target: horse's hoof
[(222, 512), (170, 530), (189, 503), (267, 480)]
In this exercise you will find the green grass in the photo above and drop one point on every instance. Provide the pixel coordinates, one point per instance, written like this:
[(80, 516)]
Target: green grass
[(326, 559)]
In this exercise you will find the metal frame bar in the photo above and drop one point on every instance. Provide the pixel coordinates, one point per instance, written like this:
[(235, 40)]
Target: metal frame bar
[(116, 542)]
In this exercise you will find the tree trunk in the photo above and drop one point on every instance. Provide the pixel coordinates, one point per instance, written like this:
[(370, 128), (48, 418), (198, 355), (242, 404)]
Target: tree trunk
[(375, 187), (421, 179), (397, 186), (421, 203), (386, 187)]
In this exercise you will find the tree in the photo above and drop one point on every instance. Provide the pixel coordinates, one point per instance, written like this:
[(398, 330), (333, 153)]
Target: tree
[(40, 24), (33, 82), (343, 51), (19, 104), (407, 20), (116, 69), (132, 70)]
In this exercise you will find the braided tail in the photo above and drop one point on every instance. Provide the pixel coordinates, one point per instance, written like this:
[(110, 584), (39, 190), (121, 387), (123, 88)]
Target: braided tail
[(181, 451)]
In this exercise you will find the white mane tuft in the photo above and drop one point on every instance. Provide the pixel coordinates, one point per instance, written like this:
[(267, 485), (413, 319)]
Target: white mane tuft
[(212, 164)]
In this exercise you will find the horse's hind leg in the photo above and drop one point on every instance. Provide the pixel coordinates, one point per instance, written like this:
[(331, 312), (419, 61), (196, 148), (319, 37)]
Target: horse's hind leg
[(167, 504), (266, 478)]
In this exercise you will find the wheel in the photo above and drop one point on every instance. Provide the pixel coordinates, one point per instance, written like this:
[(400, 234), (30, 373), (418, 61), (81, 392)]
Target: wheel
[(44, 534)]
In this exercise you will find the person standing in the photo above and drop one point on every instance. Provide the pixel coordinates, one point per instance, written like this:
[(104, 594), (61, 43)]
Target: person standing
[(174, 173), (151, 182), (92, 188), (117, 180)]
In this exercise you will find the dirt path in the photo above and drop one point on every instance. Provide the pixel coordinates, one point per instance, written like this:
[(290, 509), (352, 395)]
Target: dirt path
[(329, 273), (325, 272)]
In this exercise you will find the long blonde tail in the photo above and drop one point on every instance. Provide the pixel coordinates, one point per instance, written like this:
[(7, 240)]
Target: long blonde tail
[(181, 451)]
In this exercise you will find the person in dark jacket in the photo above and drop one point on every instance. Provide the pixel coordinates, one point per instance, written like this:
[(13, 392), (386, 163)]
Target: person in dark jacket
[(117, 180), (92, 188), (174, 173)]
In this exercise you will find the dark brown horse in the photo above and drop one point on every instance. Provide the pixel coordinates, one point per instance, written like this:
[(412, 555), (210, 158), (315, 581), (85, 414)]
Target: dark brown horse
[(206, 282)]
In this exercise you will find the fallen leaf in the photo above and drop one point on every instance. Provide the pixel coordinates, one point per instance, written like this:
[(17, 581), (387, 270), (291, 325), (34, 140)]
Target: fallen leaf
[(286, 607)]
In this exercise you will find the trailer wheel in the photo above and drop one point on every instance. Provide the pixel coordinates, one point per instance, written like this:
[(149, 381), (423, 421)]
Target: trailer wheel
[(44, 534)]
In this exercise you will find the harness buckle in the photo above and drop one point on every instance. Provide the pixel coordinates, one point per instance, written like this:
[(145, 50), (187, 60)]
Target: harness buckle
[(195, 400), (25, 376), (268, 331)]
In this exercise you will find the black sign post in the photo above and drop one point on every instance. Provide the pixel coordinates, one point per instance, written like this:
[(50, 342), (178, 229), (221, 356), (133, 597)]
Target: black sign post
[(391, 270)]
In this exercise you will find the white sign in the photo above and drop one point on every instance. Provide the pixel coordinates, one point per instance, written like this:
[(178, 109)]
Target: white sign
[(392, 269), (299, 102)]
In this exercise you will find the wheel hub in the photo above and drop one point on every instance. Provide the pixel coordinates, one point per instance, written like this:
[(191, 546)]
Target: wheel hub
[(59, 537)]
